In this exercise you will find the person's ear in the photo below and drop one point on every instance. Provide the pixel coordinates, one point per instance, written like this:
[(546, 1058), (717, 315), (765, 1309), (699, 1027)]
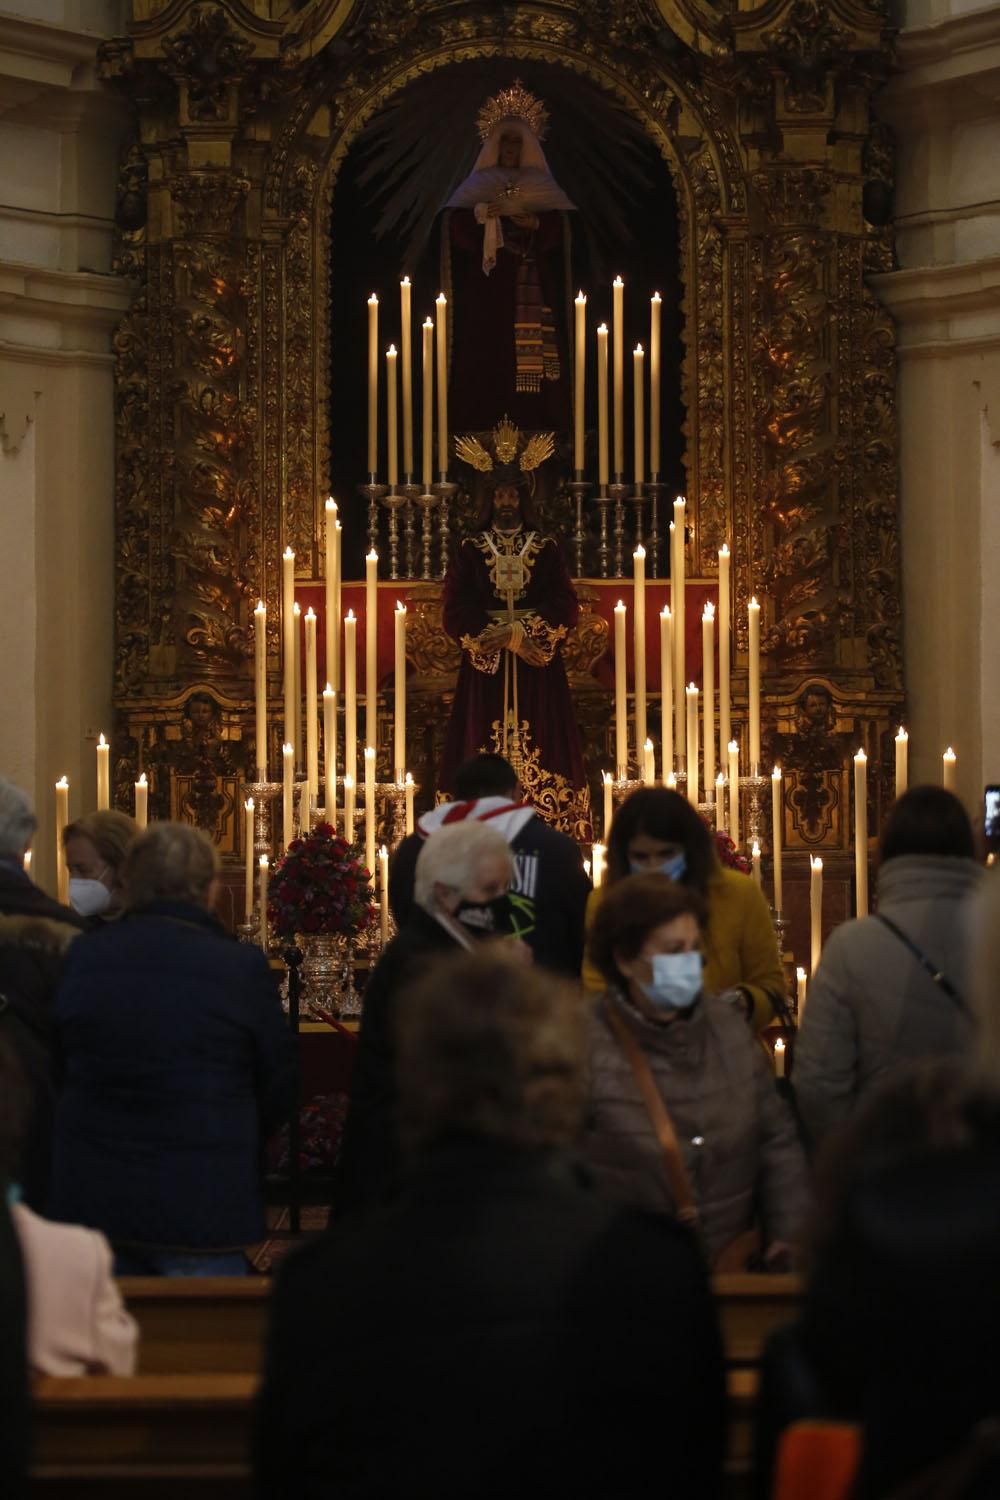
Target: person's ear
[(625, 966), (446, 896)]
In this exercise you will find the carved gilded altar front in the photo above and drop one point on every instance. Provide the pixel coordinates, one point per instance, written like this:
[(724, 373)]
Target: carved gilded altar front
[(245, 111)]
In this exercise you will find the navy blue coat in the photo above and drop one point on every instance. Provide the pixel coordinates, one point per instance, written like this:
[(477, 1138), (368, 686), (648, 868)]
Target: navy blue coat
[(176, 1063)]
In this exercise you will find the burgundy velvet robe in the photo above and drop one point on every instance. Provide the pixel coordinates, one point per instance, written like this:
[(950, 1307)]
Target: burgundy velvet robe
[(553, 777), (482, 385)]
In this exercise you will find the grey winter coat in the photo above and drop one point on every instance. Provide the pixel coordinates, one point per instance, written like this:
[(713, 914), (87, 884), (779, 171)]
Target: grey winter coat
[(737, 1135), (871, 1004)]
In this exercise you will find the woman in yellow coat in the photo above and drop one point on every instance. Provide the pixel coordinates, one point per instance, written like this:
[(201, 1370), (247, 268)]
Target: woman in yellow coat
[(657, 831)]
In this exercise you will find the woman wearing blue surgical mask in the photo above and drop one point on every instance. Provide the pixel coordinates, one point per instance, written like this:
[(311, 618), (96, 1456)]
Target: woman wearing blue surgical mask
[(657, 831), (664, 1049), (95, 847)]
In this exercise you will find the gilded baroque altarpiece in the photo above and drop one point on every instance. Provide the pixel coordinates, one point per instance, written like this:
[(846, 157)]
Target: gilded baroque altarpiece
[(244, 112)]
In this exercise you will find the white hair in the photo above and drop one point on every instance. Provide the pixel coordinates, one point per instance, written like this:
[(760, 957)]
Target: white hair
[(452, 857), (17, 821)]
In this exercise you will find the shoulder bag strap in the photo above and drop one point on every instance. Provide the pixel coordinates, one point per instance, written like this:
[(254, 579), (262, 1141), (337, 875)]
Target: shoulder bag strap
[(663, 1125), (939, 977)]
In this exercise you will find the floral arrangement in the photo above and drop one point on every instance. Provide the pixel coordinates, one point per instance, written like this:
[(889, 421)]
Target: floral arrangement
[(728, 852), (321, 1130), (321, 885)]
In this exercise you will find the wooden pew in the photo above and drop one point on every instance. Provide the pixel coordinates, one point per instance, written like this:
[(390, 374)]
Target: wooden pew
[(158, 1437), (749, 1308), (192, 1325)]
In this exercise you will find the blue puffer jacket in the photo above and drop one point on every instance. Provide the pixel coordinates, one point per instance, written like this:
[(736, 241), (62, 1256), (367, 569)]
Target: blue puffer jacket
[(175, 1063)]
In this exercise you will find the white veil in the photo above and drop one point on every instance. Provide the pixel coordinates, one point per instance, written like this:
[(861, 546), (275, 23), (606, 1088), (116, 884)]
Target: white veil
[(527, 189)]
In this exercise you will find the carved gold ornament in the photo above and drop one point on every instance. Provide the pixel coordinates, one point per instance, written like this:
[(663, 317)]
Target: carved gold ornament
[(506, 441)]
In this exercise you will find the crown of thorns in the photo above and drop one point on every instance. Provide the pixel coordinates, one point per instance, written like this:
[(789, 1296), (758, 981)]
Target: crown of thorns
[(514, 103), (506, 442)]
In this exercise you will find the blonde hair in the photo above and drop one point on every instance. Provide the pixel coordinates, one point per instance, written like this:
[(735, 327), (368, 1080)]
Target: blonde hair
[(491, 1047), (111, 833), (452, 856), (170, 862)]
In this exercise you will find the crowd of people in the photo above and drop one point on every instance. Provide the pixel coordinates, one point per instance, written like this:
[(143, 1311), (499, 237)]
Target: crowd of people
[(562, 1120)]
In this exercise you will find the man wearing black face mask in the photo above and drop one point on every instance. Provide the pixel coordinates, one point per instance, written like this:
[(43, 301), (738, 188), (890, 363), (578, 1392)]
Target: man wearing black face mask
[(460, 902)]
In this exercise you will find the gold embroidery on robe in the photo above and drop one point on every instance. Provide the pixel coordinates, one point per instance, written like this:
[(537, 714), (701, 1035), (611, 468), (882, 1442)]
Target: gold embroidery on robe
[(555, 799), (508, 564)]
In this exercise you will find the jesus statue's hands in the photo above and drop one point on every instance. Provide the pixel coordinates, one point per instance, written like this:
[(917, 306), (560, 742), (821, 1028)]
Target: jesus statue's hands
[(495, 637), (531, 654)]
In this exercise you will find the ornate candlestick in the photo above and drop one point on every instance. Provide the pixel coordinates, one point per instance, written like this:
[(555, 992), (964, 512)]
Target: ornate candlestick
[(373, 492), (393, 500), (754, 785), (578, 489), (603, 548), (445, 492), (426, 501), (654, 489), (637, 501), (412, 493), (263, 794), (618, 491)]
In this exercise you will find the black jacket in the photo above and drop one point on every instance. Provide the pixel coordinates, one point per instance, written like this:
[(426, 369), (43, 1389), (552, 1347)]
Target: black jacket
[(497, 1330), (369, 1156), (14, 1415), (549, 880), (177, 1063), (35, 934)]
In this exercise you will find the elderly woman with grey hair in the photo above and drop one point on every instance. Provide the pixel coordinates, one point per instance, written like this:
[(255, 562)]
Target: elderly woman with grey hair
[(460, 902), (177, 1064)]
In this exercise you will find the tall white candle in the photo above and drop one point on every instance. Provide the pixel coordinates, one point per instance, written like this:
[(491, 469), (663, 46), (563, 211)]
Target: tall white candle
[(350, 693), (383, 893), (725, 627), (287, 794), (598, 856), (753, 617), (427, 409), (801, 990), (692, 745), (608, 783), (441, 345), (349, 807), (648, 763), (312, 716), (399, 644), (621, 696), (639, 413), (370, 809), (142, 803), (777, 823), (779, 1058), (579, 379), (331, 603), (260, 688), (373, 384), (720, 803), (677, 592), (949, 761), (639, 643), (288, 640), (755, 862), (602, 406), (391, 417), (265, 868), (406, 360), (815, 911), (655, 307), (371, 647), (103, 774), (248, 870), (733, 752), (861, 833), (667, 689), (618, 371), (408, 802), (708, 706), (330, 755), (62, 819), (297, 681), (902, 761)]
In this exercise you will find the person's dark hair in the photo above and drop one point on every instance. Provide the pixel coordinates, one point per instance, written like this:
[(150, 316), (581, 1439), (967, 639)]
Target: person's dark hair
[(499, 479), (927, 820), (485, 776), (663, 814), (488, 1047), (15, 1105), (629, 912)]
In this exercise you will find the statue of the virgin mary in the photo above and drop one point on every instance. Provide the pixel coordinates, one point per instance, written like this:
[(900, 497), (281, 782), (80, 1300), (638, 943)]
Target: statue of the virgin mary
[(507, 242)]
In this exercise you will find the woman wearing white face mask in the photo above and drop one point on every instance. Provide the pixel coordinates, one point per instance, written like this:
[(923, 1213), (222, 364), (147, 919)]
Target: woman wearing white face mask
[(683, 1112), (95, 847)]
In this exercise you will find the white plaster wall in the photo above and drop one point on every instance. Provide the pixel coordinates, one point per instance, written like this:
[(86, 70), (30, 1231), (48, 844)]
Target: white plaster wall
[(60, 135), (944, 106)]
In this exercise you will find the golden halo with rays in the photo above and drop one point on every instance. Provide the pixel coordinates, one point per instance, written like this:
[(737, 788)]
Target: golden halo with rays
[(514, 103)]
